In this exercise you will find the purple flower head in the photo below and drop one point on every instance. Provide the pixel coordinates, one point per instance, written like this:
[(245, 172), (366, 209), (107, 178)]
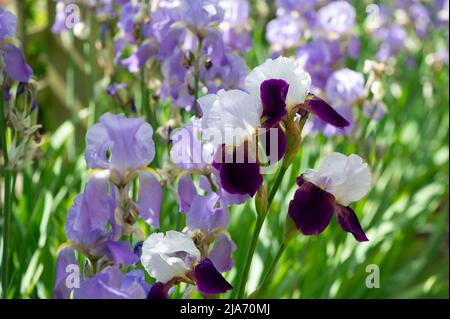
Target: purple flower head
[(392, 40), (123, 147), (8, 23), (345, 86), (318, 58), (236, 12), (284, 32), (336, 18), (339, 181), (120, 143), (420, 16), (297, 5), (200, 13)]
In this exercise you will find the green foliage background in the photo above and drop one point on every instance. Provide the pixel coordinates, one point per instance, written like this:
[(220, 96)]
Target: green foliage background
[(405, 215)]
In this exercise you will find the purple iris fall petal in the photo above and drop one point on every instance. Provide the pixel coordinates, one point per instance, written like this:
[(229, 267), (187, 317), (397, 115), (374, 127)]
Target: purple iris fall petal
[(119, 252), (324, 111), (220, 255), (208, 280), (273, 96), (349, 222), (186, 192), (150, 198), (110, 283), (311, 209), (15, 66), (95, 206), (159, 291), (204, 215), (66, 257), (278, 152)]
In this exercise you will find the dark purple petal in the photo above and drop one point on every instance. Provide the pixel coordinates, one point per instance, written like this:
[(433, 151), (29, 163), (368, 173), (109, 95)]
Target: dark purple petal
[(311, 209), (349, 222), (324, 111), (240, 178), (209, 281), (279, 150), (159, 291), (273, 96)]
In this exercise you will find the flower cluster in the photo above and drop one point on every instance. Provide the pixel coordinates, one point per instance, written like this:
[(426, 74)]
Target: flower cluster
[(244, 126), (118, 149), (194, 43)]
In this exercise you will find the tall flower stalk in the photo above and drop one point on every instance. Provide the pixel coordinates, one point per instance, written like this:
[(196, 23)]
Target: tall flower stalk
[(7, 195)]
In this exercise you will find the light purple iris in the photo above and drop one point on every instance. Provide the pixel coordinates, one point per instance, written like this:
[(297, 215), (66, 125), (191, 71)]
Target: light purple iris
[(284, 31), (8, 23), (392, 40), (336, 17), (319, 58), (119, 143), (200, 13)]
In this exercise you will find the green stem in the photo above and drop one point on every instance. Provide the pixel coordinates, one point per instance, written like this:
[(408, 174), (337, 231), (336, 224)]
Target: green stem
[(259, 223), (197, 75), (261, 217), (251, 251), (7, 196), (89, 56), (269, 273)]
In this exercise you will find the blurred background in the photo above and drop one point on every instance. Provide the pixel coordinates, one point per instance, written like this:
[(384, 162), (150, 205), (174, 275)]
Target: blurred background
[(405, 215)]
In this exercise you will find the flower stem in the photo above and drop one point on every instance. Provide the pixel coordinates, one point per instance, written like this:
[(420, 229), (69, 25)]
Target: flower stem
[(7, 197), (89, 56), (259, 223), (268, 275), (251, 251), (261, 217), (197, 75)]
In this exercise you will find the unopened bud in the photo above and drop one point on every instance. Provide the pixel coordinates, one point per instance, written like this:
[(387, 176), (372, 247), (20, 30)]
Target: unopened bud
[(261, 202)]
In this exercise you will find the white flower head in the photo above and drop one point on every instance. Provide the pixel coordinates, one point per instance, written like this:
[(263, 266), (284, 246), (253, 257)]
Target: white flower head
[(231, 117), (347, 178), (169, 256), (285, 69)]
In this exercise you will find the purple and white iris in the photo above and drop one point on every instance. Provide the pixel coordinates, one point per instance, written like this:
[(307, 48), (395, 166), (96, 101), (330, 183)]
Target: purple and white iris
[(339, 181), (174, 256), (235, 119)]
